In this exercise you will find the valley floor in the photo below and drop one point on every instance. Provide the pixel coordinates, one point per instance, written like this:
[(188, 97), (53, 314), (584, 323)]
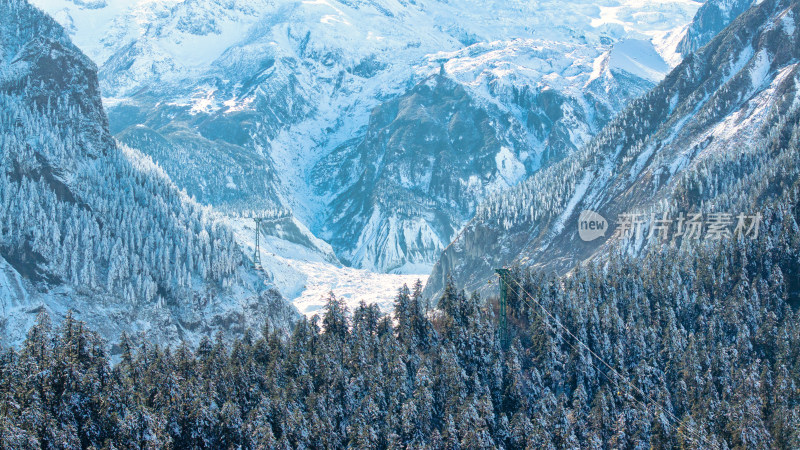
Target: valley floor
[(305, 277)]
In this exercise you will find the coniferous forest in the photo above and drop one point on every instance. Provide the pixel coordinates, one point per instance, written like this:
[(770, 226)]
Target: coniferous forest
[(695, 349), (144, 304)]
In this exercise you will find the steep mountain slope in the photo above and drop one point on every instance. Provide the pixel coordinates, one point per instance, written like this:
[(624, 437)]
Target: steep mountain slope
[(99, 229), (279, 93), (718, 135), (430, 155), (415, 174), (711, 18)]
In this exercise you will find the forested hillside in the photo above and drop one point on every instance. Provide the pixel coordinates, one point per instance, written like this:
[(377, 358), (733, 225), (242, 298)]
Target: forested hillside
[(694, 350), (95, 227), (718, 135)]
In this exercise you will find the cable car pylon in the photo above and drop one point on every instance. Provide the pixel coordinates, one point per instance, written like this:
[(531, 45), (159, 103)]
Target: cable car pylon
[(257, 250)]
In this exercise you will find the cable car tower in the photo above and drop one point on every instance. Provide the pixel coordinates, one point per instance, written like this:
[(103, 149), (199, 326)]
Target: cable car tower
[(257, 251), (503, 274)]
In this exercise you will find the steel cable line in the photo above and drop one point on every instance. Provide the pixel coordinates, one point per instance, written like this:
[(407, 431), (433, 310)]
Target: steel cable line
[(697, 437)]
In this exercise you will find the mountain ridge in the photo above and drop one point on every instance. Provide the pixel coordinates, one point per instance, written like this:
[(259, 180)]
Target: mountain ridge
[(655, 157)]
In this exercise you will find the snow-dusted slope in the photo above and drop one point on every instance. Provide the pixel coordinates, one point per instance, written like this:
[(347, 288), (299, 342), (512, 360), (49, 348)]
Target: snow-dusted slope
[(96, 228), (282, 94), (718, 135)]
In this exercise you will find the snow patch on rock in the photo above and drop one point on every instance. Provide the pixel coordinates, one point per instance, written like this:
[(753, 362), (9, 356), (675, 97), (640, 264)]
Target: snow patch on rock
[(509, 167), (788, 23), (760, 69), (640, 58), (12, 287)]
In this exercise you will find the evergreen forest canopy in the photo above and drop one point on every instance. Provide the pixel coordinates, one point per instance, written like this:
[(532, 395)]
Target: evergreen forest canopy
[(706, 344)]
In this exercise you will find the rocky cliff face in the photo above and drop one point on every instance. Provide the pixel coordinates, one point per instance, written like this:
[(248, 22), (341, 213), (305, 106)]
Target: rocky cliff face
[(427, 156), (718, 135), (403, 191), (711, 18), (95, 228)]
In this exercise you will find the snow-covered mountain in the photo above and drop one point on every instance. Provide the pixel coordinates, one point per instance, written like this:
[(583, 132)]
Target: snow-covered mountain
[(95, 227), (711, 18), (718, 135), (279, 104), (404, 190)]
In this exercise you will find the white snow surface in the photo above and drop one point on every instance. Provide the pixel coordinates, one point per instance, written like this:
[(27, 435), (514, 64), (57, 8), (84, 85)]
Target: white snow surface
[(352, 285), (306, 277), (640, 58), (509, 167), (788, 22), (760, 69)]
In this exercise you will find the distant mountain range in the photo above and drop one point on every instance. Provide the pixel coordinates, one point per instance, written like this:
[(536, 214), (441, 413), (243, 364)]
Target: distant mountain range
[(324, 108)]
